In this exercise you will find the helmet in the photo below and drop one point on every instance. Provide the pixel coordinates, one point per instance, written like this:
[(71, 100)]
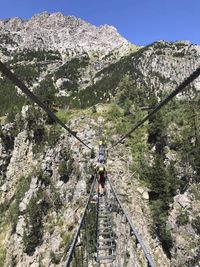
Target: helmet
[(100, 143)]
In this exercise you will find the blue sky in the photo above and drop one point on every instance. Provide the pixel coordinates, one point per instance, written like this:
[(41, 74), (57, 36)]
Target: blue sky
[(141, 22)]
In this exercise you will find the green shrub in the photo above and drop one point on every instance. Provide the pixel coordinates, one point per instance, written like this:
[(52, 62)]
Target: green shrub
[(160, 213), (10, 100), (163, 183), (179, 54), (77, 172), (114, 112), (94, 109), (71, 69), (41, 55), (65, 170), (196, 225), (53, 135), (44, 178), (33, 231), (55, 257), (62, 168), (21, 188), (3, 208), (66, 241), (2, 256), (27, 73), (7, 38), (40, 137), (11, 114), (194, 261), (182, 219), (92, 154), (64, 115), (57, 202), (46, 91)]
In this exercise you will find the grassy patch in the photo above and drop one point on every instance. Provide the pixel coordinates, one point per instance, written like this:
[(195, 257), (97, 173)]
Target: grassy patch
[(66, 241), (21, 188), (3, 231), (65, 115)]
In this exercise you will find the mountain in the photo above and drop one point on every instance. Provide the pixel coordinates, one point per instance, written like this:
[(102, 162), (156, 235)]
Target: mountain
[(66, 51), (158, 67), (87, 75), (66, 34), (83, 64)]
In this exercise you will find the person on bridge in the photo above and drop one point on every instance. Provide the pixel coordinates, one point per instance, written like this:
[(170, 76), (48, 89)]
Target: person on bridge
[(101, 178), (101, 158), (100, 143)]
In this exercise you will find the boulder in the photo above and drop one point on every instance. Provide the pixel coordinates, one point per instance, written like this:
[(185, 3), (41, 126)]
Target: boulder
[(145, 195)]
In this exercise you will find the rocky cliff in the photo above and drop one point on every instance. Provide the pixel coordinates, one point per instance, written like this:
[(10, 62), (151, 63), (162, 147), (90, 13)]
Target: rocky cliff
[(158, 67), (68, 35), (163, 65), (43, 191)]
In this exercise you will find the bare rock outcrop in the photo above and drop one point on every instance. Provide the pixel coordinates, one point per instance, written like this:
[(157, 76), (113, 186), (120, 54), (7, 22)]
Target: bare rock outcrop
[(67, 34), (184, 225), (163, 65), (47, 192)]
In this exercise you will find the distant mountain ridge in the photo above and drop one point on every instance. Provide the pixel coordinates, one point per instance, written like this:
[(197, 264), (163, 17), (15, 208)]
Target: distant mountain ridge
[(65, 50), (86, 64), (58, 32), (160, 66)]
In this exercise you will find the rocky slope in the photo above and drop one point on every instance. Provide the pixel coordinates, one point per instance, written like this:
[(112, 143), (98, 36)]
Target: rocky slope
[(135, 198), (158, 67), (54, 175), (163, 65), (85, 64), (184, 218), (42, 193)]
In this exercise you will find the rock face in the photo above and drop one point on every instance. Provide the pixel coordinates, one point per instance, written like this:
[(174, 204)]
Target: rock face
[(46, 191), (159, 67), (184, 218), (62, 33), (163, 65), (135, 200)]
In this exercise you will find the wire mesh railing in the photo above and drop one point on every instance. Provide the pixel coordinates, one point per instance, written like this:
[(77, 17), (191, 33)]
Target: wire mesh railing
[(82, 249), (130, 250)]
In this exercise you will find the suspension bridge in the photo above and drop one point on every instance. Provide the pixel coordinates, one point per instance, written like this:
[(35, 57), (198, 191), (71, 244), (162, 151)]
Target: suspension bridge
[(111, 238), (106, 235)]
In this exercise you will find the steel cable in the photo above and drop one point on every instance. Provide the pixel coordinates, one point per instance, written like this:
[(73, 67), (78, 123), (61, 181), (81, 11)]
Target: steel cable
[(133, 228), (75, 239), (36, 100), (179, 89)]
